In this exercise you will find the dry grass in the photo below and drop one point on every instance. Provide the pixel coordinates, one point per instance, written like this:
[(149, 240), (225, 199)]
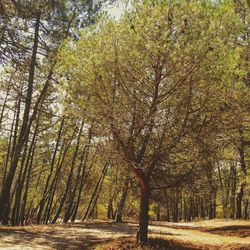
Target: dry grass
[(125, 243)]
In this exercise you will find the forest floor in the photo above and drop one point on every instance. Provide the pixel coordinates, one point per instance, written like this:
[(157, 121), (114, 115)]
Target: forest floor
[(215, 234)]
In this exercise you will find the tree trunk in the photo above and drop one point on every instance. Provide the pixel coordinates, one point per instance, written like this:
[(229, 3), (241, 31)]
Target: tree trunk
[(180, 214), (25, 195), (246, 215), (233, 192), (71, 200), (142, 235), (68, 183), (123, 199), (243, 165), (42, 203), (84, 175), (239, 198), (5, 194), (95, 195), (52, 189), (158, 216), (10, 143), (212, 203), (5, 102), (185, 209)]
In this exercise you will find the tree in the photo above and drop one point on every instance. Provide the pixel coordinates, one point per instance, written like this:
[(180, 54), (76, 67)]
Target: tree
[(152, 85)]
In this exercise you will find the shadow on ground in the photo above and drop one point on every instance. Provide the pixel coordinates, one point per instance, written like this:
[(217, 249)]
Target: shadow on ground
[(241, 230), (64, 236)]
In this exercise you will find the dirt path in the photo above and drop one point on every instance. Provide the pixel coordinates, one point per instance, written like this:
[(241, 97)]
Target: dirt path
[(87, 235)]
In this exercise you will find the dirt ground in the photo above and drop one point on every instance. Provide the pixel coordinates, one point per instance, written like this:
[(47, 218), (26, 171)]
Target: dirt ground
[(216, 234)]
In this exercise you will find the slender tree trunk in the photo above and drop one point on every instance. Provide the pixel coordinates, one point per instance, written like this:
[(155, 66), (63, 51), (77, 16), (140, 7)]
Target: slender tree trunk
[(185, 210), (19, 189), (123, 199), (246, 215), (12, 132), (190, 214), (4, 103), (84, 176), (68, 184), (25, 195), (233, 191), (42, 203), (158, 215), (95, 194), (180, 214), (240, 194), (51, 191), (176, 206), (239, 198), (5, 194), (71, 202), (203, 213), (212, 203)]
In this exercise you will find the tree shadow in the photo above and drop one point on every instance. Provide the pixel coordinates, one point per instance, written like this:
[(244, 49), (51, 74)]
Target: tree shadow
[(108, 227), (64, 236), (233, 230)]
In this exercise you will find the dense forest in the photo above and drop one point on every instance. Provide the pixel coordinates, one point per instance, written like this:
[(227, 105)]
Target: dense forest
[(142, 118)]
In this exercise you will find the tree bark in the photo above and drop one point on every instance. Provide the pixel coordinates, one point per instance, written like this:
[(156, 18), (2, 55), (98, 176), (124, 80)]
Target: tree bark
[(233, 177), (123, 199), (240, 194), (96, 192), (68, 184), (158, 215), (239, 198), (71, 200), (142, 235), (42, 203)]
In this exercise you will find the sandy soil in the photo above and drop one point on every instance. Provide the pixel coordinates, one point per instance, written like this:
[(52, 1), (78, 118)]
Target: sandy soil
[(215, 234)]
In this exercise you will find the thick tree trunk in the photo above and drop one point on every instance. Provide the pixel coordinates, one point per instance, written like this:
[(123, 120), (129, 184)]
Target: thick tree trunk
[(142, 235)]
